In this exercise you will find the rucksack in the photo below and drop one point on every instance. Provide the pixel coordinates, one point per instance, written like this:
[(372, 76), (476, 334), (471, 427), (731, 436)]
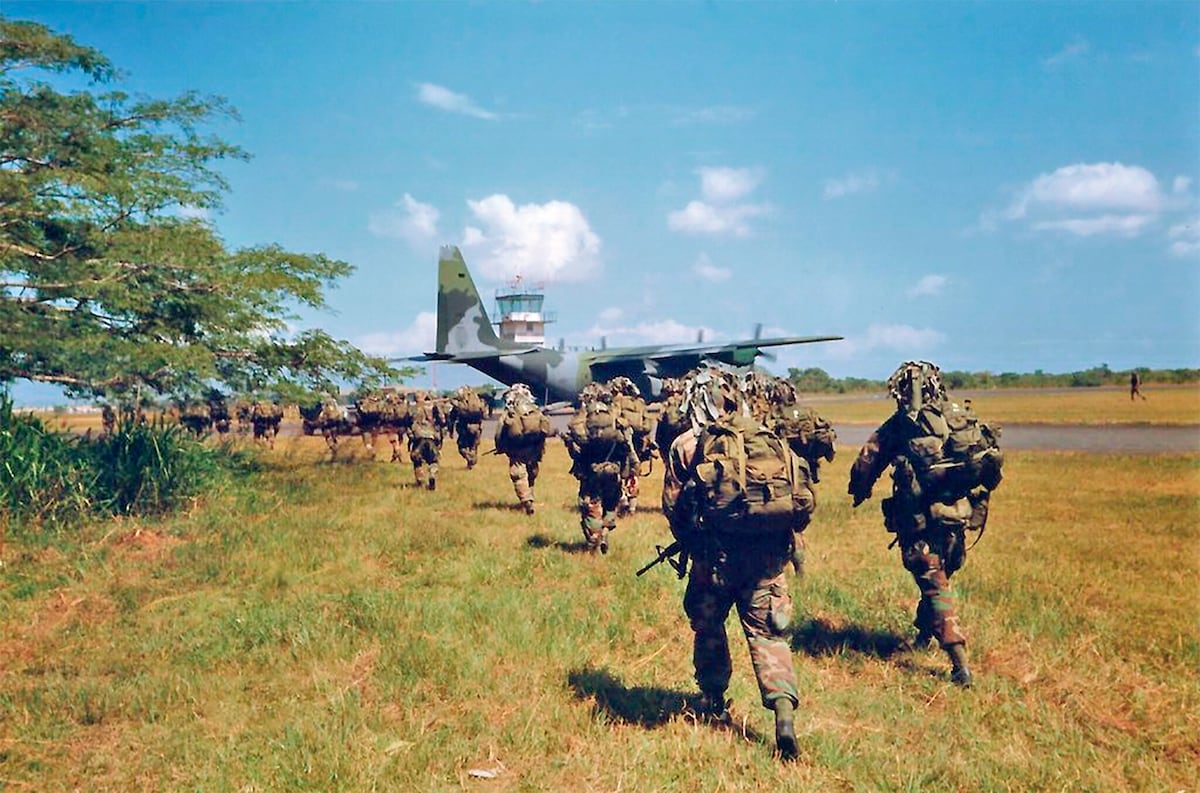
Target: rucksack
[(747, 481), (470, 408), (523, 425), (952, 452), (633, 413), (807, 433)]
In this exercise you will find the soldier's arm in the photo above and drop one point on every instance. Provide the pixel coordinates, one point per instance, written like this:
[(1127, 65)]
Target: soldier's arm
[(872, 459)]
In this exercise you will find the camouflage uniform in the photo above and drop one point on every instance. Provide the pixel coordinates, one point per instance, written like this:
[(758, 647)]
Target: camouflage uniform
[(600, 467), (725, 574), (930, 531), (425, 441), (524, 453), (628, 402), (466, 424)]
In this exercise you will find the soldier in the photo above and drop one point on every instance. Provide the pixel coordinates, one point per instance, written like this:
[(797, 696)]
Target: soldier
[(1135, 386), (108, 418), (671, 419), (628, 403), (265, 418), (521, 435), (425, 440), (601, 451), (738, 554), (944, 464), (466, 423), (194, 415)]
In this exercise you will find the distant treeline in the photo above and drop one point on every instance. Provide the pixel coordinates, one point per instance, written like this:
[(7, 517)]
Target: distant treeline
[(817, 380)]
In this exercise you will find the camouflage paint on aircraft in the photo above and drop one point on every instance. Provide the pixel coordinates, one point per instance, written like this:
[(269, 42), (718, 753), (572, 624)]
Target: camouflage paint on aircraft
[(465, 335)]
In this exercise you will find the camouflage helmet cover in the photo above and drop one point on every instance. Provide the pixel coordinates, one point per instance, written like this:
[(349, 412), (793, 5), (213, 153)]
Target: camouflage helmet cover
[(517, 394), (915, 383), (623, 385), (711, 392)]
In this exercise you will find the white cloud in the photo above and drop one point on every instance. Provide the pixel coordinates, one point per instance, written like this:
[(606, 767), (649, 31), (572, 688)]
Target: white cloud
[(717, 114), (189, 212), (420, 336), (904, 340), (1185, 238), (709, 271), (1181, 184), (666, 331), (408, 219), (851, 184), (1073, 51), (611, 314), (445, 99), (1087, 199), (722, 185), (543, 242), (928, 285)]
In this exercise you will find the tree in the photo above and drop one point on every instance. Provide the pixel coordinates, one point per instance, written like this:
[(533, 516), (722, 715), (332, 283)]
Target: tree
[(110, 278)]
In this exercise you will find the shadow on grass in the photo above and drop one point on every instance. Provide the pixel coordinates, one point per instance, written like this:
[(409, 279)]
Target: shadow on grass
[(544, 541), (819, 636), (507, 506), (646, 706)]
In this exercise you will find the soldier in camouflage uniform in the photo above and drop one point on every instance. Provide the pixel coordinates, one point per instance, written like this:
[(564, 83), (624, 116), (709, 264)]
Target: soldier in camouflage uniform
[(628, 402), (599, 460), (727, 571), (524, 449), (425, 440), (929, 526), (466, 423)]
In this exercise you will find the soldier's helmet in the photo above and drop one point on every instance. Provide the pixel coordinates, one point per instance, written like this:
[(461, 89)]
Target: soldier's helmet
[(783, 392), (712, 392), (623, 385), (518, 394), (916, 383), (671, 386), (594, 392)]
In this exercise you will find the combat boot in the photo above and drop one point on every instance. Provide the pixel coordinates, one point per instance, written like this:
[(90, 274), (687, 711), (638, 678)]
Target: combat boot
[(432, 483), (960, 675), (712, 706), (785, 729), (528, 505)]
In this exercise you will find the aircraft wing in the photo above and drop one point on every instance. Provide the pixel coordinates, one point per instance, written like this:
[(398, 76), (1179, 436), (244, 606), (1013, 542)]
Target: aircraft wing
[(465, 357), (731, 352)]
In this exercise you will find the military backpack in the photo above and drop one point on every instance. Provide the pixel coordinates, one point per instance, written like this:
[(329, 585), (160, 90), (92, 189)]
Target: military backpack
[(952, 452), (523, 425), (470, 408), (746, 480), (807, 433)]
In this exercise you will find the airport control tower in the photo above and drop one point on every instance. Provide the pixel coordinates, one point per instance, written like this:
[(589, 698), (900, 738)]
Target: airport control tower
[(519, 308)]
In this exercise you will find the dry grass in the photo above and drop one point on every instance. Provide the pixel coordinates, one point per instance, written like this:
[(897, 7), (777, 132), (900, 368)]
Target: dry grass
[(333, 628)]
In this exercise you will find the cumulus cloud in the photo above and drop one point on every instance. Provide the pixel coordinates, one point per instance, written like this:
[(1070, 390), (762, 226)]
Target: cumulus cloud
[(419, 336), (928, 285), (709, 271), (851, 184), (721, 211), (1185, 238), (1073, 51), (1087, 199), (408, 220), (543, 242), (905, 341), (444, 99), (666, 331)]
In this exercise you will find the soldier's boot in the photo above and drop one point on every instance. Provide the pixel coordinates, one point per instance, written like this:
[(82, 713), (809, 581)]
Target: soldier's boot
[(798, 559), (712, 706), (528, 506), (433, 483), (960, 674), (785, 729), (622, 507), (631, 506)]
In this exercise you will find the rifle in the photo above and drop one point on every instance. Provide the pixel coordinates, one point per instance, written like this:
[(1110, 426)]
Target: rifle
[(664, 555)]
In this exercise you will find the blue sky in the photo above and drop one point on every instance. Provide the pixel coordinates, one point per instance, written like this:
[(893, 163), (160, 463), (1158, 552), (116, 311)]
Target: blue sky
[(991, 186)]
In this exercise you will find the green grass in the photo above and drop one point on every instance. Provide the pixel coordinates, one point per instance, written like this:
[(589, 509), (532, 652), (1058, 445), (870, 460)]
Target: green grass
[(330, 627)]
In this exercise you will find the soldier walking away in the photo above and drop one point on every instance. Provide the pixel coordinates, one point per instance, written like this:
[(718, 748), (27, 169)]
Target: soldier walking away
[(945, 463), (425, 441), (736, 497), (108, 418), (466, 423), (601, 456), (521, 435), (627, 401), (1135, 386)]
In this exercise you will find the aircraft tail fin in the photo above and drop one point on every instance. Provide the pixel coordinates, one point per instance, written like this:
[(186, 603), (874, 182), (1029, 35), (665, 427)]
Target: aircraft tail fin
[(463, 326)]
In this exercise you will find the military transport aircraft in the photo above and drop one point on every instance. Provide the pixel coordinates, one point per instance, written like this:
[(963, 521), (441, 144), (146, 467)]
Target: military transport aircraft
[(465, 335)]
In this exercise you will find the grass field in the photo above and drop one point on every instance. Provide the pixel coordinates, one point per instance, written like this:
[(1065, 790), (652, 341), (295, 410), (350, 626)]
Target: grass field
[(330, 627)]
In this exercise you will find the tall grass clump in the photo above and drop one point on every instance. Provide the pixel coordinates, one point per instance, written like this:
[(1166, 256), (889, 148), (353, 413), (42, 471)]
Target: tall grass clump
[(51, 478)]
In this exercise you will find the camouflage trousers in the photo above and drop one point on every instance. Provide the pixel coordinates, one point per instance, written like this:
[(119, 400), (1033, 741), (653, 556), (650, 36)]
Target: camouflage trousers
[(629, 494), (424, 453), (923, 556), (468, 436), (599, 494), (764, 607), (523, 475)]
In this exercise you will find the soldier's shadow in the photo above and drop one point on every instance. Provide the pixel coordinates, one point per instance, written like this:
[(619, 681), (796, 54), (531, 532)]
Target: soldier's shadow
[(508, 506), (819, 636), (643, 706), (545, 541)]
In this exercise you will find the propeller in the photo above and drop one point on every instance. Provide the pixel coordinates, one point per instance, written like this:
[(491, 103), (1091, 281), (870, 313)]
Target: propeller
[(770, 356)]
